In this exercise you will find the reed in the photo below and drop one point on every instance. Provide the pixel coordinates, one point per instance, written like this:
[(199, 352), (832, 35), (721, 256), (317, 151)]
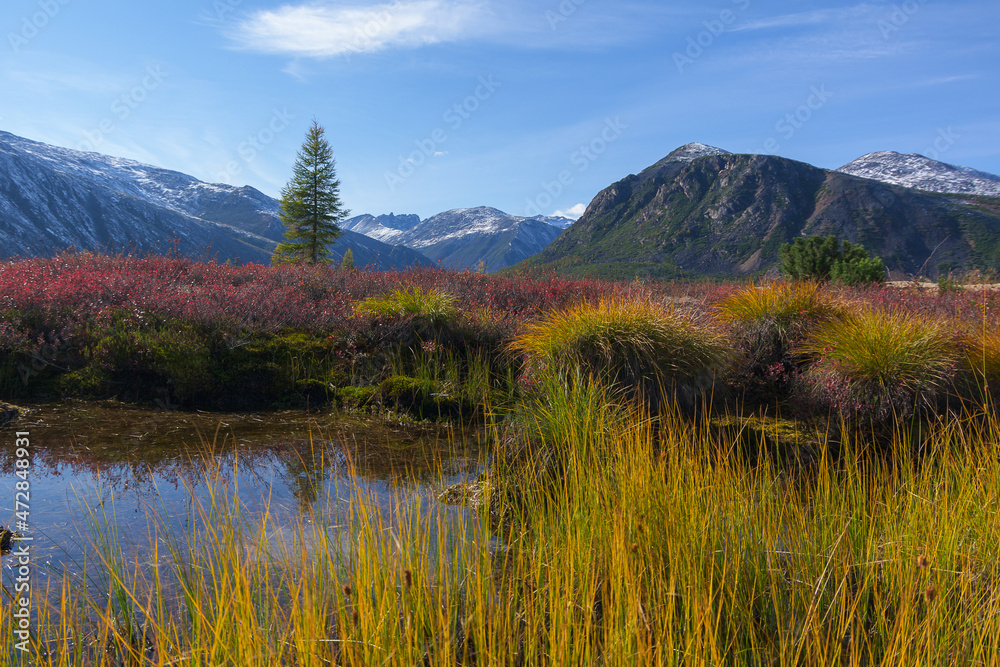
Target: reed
[(657, 547)]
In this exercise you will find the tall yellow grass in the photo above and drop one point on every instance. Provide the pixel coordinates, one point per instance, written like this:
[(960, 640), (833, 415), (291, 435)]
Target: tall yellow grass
[(659, 547)]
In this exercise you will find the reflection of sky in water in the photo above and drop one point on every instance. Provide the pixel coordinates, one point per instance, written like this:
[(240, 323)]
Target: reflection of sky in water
[(131, 463)]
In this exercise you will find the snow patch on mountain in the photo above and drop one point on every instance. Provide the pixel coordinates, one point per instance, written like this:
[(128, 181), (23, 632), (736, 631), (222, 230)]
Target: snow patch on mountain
[(384, 228), (693, 151), (463, 237), (922, 173), (52, 198), (559, 221)]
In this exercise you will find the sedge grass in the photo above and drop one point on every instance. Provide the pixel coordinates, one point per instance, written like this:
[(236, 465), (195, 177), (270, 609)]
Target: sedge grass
[(631, 344), (659, 547), (982, 361), (784, 306), (434, 306), (881, 363)]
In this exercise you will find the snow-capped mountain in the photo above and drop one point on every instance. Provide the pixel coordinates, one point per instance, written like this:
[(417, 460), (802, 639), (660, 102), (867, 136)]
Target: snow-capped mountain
[(385, 228), (678, 158), (555, 220), (922, 173), (727, 216), (693, 151), (466, 237), (54, 198)]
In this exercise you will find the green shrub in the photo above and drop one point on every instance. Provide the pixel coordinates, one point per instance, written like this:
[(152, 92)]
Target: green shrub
[(347, 261), (153, 358), (86, 382), (356, 398), (948, 283), (857, 268), (421, 398), (635, 346), (818, 258)]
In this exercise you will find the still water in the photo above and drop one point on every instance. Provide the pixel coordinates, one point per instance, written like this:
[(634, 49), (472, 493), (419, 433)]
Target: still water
[(120, 466)]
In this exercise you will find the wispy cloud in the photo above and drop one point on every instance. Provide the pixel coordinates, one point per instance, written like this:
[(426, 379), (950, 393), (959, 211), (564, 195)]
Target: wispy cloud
[(45, 73), (788, 20), (943, 80), (323, 31)]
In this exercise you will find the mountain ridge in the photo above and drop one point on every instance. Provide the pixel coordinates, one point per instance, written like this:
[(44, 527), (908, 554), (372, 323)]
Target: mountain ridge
[(54, 198), (480, 237), (923, 173), (726, 215)]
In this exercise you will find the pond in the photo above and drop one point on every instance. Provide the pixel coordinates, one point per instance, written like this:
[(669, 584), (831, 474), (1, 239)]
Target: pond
[(140, 471)]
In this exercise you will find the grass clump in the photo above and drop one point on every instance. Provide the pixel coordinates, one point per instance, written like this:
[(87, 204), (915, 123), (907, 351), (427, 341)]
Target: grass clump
[(433, 306), (980, 370), (880, 364), (767, 322), (631, 345), (785, 306)]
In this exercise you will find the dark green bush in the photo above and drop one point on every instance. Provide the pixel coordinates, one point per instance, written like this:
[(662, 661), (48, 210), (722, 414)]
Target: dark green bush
[(818, 258)]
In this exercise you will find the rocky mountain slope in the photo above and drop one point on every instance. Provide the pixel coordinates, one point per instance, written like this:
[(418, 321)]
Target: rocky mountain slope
[(725, 215), (465, 238), (916, 171), (386, 228), (55, 198)]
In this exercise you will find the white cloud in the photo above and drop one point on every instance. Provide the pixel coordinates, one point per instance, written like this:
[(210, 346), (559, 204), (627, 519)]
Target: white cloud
[(573, 212), (323, 31)]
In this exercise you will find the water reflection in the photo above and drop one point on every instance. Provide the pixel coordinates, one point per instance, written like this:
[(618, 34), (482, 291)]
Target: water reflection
[(108, 462)]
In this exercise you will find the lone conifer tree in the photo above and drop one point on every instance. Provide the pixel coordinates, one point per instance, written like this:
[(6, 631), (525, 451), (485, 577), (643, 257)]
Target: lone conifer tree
[(310, 204)]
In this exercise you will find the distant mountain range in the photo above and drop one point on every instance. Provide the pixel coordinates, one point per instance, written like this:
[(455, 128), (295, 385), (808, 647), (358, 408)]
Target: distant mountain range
[(700, 211), (55, 198), (703, 212), (465, 238)]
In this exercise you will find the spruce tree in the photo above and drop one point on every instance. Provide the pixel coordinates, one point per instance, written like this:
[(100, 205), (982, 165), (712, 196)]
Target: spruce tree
[(310, 204)]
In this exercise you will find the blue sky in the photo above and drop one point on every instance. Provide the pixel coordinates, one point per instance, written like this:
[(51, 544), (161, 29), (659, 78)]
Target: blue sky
[(531, 107)]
